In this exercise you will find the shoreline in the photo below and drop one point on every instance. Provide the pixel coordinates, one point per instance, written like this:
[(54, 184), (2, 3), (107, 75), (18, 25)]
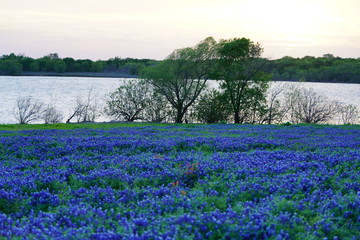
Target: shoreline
[(78, 74), (122, 75)]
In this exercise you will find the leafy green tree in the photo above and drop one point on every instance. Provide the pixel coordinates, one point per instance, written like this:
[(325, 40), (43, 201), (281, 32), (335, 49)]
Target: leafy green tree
[(34, 67), (53, 56), (26, 63), (42, 64), (70, 64), (10, 67), (213, 107), (77, 66), (157, 109), (243, 78), (129, 101), (329, 56), (183, 75), (132, 68), (60, 66), (113, 64), (85, 65), (96, 66), (322, 69), (48, 62)]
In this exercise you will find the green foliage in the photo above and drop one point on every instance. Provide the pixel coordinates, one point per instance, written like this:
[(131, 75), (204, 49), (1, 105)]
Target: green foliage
[(129, 101), (322, 69), (214, 202), (60, 66), (27, 127), (84, 65), (116, 183), (34, 67), (70, 64), (53, 186), (182, 76), (144, 182), (52, 64), (235, 49), (327, 68), (10, 67), (97, 66), (9, 206), (283, 205), (212, 107), (243, 78)]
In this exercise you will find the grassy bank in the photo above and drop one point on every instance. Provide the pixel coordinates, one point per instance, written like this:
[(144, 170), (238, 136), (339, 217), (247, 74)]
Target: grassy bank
[(71, 126), (107, 125)]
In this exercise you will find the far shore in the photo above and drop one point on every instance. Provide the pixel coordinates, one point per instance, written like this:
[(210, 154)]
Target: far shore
[(81, 74), (123, 75)]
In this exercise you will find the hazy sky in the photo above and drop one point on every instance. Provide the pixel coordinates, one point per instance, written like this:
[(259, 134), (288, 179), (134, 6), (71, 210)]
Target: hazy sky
[(154, 28)]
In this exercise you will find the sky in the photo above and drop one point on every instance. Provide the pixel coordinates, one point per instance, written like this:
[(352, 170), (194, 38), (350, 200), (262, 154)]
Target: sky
[(93, 29)]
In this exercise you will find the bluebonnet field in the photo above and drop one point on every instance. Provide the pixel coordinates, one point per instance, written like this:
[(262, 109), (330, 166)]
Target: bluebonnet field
[(181, 182)]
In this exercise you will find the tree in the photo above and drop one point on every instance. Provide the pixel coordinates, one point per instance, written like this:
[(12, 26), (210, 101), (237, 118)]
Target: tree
[(132, 68), (70, 64), (96, 66), (183, 75), (27, 110), (349, 114), (53, 56), (275, 113), (306, 106), (212, 107), (34, 67), (158, 108), (328, 55), (243, 79), (85, 65), (60, 66), (129, 101), (85, 109), (254, 104), (51, 115), (26, 62), (10, 67)]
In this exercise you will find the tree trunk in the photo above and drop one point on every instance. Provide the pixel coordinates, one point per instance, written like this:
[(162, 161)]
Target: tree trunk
[(236, 118), (270, 116), (179, 116), (69, 119)]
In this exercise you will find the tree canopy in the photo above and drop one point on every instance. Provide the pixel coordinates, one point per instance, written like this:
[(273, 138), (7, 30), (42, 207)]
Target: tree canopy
[(327, 68), (241, 70), (183, 75), (52, 64)]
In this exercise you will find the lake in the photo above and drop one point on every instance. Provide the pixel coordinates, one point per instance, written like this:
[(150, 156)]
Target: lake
[(62, 92)]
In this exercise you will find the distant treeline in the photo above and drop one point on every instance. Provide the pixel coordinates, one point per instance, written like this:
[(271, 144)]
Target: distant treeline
[(52, 64), (316, 69), (327, 68)]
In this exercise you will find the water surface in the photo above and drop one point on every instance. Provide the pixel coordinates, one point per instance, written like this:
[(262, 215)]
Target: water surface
[(62, 92)]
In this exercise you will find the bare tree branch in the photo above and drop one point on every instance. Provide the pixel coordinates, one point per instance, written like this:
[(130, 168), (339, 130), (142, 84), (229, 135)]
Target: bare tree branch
[(27, 110)]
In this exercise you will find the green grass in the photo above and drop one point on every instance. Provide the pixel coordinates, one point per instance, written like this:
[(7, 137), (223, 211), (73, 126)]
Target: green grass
[(107, 125), (71, 126)]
